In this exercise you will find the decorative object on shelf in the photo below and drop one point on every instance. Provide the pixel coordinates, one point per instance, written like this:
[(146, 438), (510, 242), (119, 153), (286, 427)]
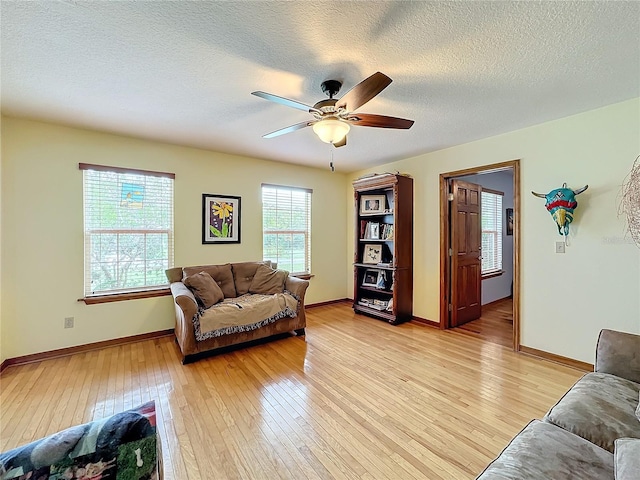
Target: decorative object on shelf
[(372, 204), (630, 203), (220, 218), (370, 278), (372, 253), (560, 203), (509, 219), (374, 232), (382, 280)]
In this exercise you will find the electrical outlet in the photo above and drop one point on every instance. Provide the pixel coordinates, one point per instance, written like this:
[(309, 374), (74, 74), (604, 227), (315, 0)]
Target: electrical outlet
[(559, 247), (68, 322)]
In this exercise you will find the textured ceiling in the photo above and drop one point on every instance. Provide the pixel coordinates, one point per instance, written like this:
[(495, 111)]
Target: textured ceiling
[(182, 72)]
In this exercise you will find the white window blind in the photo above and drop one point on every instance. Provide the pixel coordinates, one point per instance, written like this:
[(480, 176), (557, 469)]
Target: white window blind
[(128, 229), (286, 227), (491, 232)]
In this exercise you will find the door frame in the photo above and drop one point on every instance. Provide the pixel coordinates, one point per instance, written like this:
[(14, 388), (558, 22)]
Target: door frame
[(445, 277)]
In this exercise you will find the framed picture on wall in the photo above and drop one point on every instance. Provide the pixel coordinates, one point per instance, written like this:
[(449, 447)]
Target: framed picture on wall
[(220, 219), (509, 220)]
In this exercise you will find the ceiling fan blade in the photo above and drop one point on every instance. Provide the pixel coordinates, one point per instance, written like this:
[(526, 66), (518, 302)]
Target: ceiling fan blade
[(285, 101), (341, 143), (364, 91), (380, 121), (289, 129)]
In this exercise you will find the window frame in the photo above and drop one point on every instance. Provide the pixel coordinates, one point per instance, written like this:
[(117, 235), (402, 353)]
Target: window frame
[(497, 233), (306, 274), (104, 296)]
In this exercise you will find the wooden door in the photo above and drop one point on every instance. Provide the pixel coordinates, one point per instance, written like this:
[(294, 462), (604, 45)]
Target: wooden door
[(466, 260)]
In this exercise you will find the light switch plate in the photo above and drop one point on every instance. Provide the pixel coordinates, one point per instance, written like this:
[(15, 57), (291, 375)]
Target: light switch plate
[(559, 247)]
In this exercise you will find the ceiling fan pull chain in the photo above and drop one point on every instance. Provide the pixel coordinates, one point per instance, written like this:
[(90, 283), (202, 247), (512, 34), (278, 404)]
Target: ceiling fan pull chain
[(331, 158)]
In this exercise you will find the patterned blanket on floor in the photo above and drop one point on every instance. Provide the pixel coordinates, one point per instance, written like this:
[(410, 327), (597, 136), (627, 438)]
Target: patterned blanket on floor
[(121, 447)]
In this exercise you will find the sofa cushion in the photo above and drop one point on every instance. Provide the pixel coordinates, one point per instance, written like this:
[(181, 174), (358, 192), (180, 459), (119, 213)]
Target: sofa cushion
[(220, 273), (600, 408), (627, 459), (205, 288), (243, 275), (544, 451), (268, 281)]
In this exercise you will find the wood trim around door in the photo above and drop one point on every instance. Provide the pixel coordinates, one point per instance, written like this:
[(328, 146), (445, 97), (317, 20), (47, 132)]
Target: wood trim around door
[(444, 240)]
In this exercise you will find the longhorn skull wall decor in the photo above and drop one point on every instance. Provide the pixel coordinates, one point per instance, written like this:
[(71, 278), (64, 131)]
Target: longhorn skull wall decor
[(561, 202)]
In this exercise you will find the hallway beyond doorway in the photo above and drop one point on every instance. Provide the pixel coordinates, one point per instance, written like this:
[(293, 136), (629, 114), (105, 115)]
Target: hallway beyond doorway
[(495, 325)]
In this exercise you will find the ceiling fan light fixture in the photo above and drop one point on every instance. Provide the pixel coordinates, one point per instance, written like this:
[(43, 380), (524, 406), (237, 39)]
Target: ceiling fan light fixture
[(331, 130)]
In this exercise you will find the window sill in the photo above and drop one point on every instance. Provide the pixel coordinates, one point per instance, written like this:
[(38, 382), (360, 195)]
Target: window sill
[(303, 276), (120, 297), (492, 274)]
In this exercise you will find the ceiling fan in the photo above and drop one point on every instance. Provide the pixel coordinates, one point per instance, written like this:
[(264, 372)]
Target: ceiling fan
[(333, 117)]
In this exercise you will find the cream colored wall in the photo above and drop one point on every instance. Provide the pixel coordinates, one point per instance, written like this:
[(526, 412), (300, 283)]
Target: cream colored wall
[(566, 299), (3, 350), (42, 237)]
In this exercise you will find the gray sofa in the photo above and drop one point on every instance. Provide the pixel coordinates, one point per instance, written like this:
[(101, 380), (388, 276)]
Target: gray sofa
[(593, 432)]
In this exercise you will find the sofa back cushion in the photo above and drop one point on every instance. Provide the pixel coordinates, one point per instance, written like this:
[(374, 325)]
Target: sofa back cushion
[(243, 275), (220, 273), (268, 281), (205, 288)]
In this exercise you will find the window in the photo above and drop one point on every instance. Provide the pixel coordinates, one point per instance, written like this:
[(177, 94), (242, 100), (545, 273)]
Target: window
[(128, 230), (491, 232), (286, 227)]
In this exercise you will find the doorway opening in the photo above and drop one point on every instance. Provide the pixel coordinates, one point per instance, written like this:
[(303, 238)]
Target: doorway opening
[(479, 260)]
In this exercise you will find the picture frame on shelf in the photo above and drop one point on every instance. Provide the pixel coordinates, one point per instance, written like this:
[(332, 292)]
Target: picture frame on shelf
[(370, 278), (372, 204), (372, 253), (220, 219), (374, 231)]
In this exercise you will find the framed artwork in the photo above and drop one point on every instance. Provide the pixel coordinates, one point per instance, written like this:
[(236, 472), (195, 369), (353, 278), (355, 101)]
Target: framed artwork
[(370, 278), (220, 218), (372, 204), (509, 219), (372, 253), (374, 233)]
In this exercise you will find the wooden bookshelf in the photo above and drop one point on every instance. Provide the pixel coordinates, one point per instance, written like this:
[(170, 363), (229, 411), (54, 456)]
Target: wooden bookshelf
[(384, 233)]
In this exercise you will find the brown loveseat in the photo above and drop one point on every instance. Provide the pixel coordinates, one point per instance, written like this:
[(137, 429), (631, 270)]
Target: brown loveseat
[(245, 302)]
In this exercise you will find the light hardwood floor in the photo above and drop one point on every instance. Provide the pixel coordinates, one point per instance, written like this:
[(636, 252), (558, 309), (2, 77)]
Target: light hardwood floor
[(495, 324), (359, 399)]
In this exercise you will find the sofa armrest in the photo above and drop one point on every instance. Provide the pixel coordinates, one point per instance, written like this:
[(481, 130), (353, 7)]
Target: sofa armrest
[(618, 353), (297, 286), (186, 307)]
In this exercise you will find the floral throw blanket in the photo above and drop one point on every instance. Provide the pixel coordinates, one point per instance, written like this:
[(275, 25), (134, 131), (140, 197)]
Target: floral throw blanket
[(120, 447)]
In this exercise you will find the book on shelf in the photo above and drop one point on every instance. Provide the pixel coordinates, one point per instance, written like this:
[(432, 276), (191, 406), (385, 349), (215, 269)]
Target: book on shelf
[(374, 303)]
